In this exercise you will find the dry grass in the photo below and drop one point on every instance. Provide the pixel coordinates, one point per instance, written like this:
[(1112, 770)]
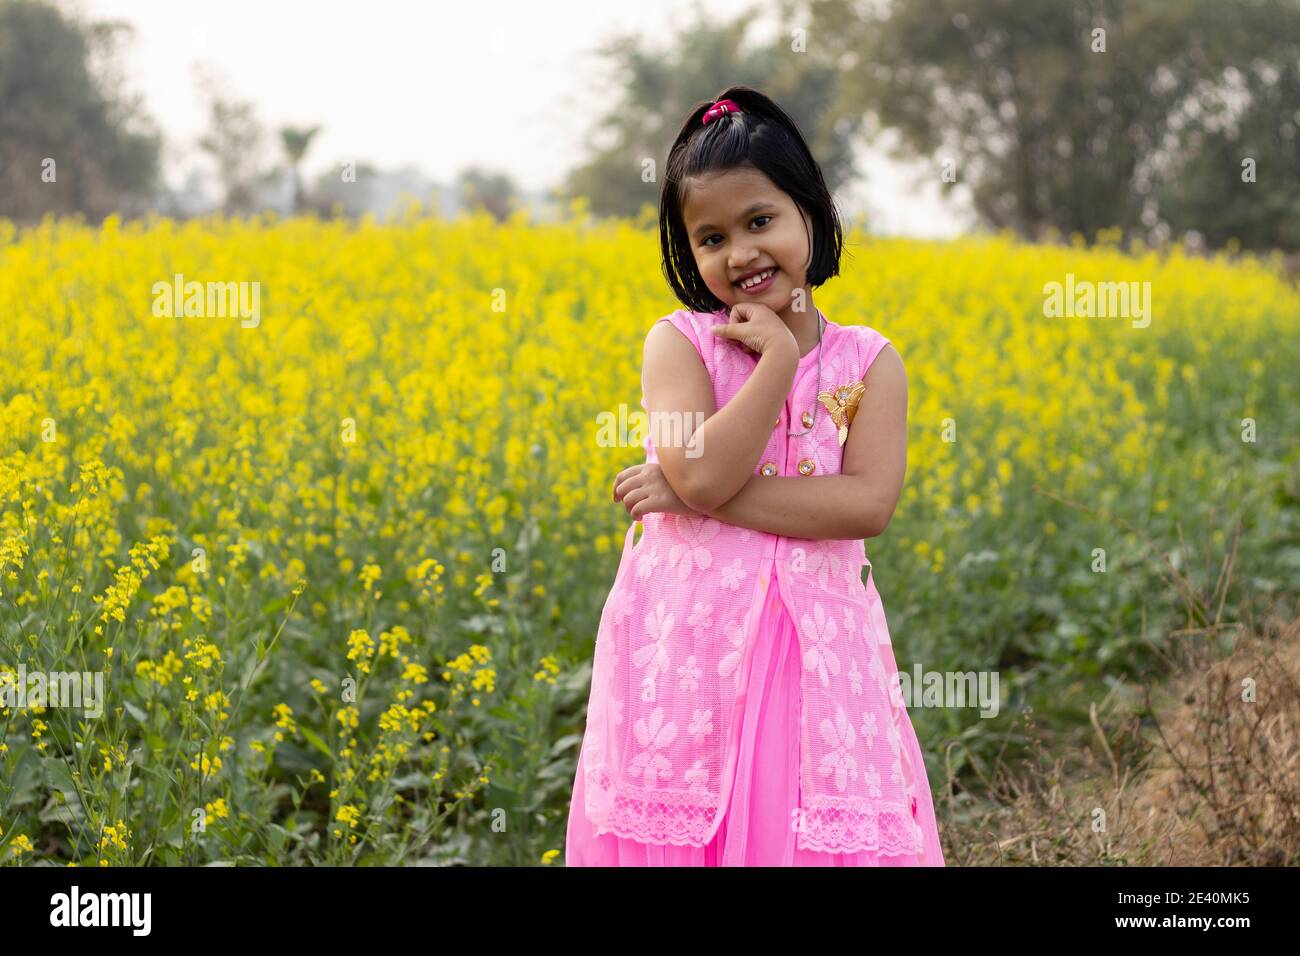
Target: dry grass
[(1201, 769)]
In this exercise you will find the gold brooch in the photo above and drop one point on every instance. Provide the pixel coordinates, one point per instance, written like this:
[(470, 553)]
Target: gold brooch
[(843, 405)]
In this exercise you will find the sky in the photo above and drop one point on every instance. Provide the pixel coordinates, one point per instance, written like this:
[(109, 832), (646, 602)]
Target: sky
[(521, 76)]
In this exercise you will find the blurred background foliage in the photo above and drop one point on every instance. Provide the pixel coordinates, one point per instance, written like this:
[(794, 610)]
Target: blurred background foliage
[(1058, 117)]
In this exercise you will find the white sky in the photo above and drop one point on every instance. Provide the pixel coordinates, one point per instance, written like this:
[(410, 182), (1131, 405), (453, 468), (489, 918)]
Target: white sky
[(514, 78)]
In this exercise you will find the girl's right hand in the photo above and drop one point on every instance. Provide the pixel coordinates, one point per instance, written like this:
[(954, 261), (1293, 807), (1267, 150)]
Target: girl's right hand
[(644, 488), (756, 327)]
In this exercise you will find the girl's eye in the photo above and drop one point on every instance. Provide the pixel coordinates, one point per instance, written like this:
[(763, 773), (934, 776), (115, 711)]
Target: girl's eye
[(755, 219)]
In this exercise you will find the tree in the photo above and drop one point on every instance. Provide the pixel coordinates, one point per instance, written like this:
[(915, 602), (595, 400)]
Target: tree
[(1050, 123), (1241, 177), (235, 141), (656, 88), (345, 189), (493, 192), (296, 141), (70, 140)]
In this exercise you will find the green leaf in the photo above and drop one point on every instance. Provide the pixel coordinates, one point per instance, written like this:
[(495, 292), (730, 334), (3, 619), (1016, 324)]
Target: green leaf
[(564, 743), (59, 810), (141, 717), (314, 739)]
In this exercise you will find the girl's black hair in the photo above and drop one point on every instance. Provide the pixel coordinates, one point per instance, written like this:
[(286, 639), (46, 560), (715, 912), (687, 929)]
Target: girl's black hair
[(763, 137)]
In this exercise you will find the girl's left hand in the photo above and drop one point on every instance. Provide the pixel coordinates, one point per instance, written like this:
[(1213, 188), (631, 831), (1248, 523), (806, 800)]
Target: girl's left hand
[(643, 489)]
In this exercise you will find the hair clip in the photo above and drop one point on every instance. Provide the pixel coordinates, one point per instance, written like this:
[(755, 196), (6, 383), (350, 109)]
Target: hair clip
[(718, 109)]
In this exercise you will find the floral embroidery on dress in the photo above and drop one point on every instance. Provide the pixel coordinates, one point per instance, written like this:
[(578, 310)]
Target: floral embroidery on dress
[(872, 779), (855, 677), (896, 771), (819, 559), (654, 655), (698, 777), (701, 620), (821, 632), (869, 728), (730, 663), (654, 735), (691, 553), (646, 563), (840, 761), (850, 622), (701, 724), (689, 673), (622, 605), (895, 741), (876, 671), (732, 575)]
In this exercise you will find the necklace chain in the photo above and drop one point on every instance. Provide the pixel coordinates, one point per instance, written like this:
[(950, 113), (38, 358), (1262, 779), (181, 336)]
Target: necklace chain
[(820, 320)]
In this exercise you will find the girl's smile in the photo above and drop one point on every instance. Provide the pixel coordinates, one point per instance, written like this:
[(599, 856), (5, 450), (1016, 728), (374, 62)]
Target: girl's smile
[(748, 286)]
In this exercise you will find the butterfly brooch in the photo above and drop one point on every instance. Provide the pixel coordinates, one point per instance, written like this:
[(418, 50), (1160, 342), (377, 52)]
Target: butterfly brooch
[(843, 405)]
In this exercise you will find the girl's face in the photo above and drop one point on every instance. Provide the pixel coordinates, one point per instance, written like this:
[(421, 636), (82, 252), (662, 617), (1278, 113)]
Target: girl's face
[(740, 223)]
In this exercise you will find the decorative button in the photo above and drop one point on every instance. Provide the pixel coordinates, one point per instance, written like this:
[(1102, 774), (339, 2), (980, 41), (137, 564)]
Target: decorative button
[(807, 419), (806, 466), (769, 469), (778, 423)]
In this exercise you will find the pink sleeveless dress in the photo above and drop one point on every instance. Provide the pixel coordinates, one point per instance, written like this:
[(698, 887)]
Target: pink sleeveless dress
[(724, 772)]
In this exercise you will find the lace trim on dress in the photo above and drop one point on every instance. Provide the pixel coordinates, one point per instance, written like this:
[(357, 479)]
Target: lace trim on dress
[(681, 817), (684, 818), (851, 824)]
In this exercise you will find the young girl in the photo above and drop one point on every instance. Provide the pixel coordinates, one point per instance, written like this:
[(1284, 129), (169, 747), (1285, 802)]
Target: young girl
[(743, 707)]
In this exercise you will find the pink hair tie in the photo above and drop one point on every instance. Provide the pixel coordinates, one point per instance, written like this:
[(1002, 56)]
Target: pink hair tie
[(719, 108)]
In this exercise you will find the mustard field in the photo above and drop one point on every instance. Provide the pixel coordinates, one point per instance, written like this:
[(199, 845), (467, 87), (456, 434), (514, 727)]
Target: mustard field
[(324, 507)]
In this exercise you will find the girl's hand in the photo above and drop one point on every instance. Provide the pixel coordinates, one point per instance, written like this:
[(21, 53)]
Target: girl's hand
[(643, 489), (756, 327)]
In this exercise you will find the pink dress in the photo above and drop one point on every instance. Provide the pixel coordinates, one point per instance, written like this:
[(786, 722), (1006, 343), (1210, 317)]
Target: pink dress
[(756, 829), (764, 794)]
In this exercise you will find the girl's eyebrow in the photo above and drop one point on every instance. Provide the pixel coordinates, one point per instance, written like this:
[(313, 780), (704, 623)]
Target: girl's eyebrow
[(752, 208)]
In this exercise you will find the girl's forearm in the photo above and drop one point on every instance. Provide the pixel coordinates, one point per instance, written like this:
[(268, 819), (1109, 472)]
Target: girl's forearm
[(732, 438), (813, 506)]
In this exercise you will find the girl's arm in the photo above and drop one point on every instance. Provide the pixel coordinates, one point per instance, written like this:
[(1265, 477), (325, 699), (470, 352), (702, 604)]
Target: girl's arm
[(726, 447), (815, 506), (857, 503)]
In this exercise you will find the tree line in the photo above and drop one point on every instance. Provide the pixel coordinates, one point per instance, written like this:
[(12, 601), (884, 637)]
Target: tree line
[(1147, 119)]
